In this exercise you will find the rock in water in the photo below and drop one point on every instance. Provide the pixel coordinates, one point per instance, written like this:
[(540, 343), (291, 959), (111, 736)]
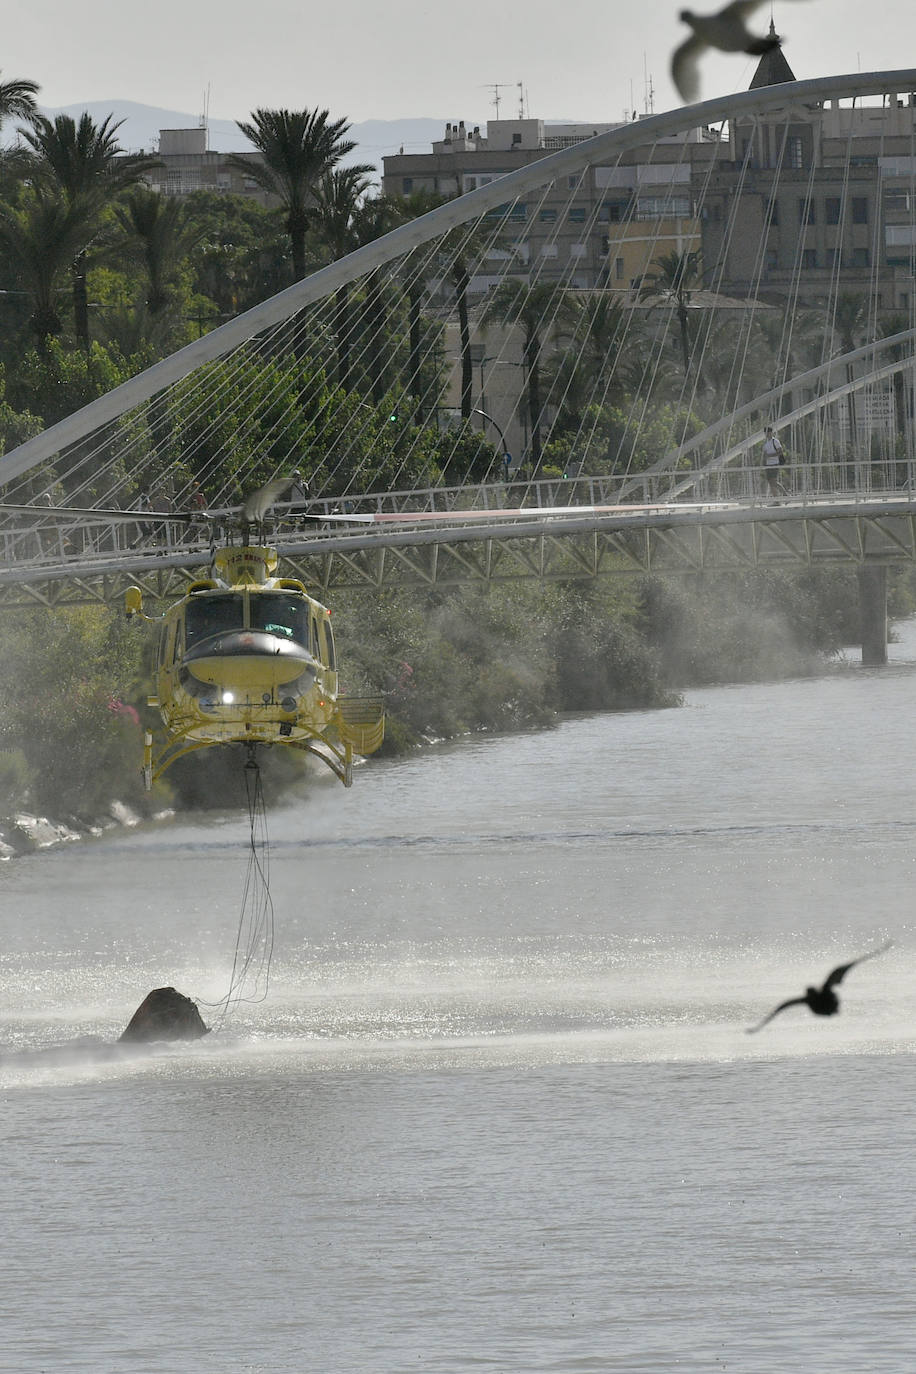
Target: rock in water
[(165, 1014)]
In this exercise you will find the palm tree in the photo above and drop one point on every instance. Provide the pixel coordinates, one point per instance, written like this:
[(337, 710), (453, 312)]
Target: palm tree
[(338, 195), (533, 309), (405, 209), (850, 323), (597, 325), (161, 227), (297, 147), (85, 162), (673, 278), (17, 100), (372, 219), (42, 236)]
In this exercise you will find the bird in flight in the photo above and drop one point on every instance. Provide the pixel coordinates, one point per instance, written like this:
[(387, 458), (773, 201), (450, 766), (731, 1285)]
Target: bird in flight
[(823, 1001), (727, 30)]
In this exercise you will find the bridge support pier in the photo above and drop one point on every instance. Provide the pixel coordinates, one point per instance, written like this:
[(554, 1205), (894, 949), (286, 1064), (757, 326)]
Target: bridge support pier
[(873, 614)]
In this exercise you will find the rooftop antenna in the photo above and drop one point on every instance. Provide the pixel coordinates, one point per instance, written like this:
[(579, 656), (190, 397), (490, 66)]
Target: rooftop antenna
[(496, 87), (205, 117), (522, 101), (650, 90)]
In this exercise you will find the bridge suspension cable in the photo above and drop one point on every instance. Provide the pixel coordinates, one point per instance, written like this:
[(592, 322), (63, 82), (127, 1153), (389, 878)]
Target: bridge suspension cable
[(646, 299)]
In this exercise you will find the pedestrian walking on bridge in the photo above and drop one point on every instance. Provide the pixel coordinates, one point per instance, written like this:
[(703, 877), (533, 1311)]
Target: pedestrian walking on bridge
[(774, 457)]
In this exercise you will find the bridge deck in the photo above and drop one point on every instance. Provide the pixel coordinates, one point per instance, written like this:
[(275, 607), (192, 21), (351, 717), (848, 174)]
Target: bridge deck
[(60, 557)]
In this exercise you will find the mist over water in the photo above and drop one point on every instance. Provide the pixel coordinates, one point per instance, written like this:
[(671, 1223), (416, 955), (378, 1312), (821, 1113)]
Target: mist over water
[(498, 1109)]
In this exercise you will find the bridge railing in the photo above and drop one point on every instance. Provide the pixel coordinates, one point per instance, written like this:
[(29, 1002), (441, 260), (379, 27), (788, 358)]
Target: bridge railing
[(36, 537)]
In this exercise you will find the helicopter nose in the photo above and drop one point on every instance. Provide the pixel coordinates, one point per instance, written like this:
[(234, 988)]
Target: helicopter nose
[(243, 661)]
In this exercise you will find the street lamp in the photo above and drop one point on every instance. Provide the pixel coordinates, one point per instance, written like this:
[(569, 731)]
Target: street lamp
[(507, 456)]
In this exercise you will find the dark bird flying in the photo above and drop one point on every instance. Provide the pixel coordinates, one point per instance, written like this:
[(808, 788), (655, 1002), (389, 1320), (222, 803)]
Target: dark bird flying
[(823, 1001), (727, 31)]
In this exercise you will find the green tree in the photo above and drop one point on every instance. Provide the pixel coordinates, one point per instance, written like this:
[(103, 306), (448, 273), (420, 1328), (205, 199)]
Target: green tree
[(534, 309), (85, 163), (241, 256), (164, 235), (338, 196), (373, 218), (79, 752), (297, 147), (673, 278), (43, 234), (17, 100)]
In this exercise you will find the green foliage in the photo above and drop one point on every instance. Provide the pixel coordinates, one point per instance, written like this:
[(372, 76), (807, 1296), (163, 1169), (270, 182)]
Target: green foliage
[(56, 381), (507, 657), (501, 658), (610, 440), (241, 255), (742, 628), (14, 779), (15, 426), (63, 676)]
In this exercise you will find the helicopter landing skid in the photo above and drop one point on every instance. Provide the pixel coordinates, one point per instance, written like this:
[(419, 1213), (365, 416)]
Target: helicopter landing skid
[(339, 760)]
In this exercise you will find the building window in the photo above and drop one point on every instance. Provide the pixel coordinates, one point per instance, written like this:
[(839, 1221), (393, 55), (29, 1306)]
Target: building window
[(549, 250), (407, 185), (805, 211), (794, 154), (861, 257), (860, 210), (547, 216), (577, 214), (772, 213), (832, 210), (772, 260), (618, 268), (809, 257), (516, 140)]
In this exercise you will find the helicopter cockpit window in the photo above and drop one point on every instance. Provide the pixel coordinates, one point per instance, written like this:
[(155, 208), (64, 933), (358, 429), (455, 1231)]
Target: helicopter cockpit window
[(212, 615), (280, 614), (329, 639)]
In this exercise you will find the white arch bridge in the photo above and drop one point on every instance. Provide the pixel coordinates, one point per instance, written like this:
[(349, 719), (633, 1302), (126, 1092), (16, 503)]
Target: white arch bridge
[(625, 314)]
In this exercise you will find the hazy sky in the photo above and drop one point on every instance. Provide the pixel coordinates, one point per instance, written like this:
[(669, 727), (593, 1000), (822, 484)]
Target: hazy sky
[(391, 59)]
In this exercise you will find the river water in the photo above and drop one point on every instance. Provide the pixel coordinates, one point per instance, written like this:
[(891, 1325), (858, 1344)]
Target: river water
[(498, 1111)]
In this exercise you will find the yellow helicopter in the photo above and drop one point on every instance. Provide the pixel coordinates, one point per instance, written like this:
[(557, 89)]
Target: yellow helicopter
[(246, 657)]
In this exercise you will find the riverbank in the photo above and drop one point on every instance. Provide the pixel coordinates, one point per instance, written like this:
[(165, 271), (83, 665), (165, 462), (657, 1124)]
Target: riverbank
[(25, 833)]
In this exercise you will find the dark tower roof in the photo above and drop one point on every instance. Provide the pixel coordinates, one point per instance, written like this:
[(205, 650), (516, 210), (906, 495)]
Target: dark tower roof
[(772, 69)]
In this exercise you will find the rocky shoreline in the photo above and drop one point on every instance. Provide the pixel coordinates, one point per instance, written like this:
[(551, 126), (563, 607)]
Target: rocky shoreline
[(25, 833)]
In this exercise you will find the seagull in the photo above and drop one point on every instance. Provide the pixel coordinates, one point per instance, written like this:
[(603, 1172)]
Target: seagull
[(726, 31), (822, 1001), (259, 502)]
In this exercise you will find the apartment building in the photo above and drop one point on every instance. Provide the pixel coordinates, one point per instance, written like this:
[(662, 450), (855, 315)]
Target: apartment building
[(831, 193), (188, 165), (600, 227)]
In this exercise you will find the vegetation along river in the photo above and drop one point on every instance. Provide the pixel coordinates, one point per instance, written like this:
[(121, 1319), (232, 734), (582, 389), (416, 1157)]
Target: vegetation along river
[(498, 1110)]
